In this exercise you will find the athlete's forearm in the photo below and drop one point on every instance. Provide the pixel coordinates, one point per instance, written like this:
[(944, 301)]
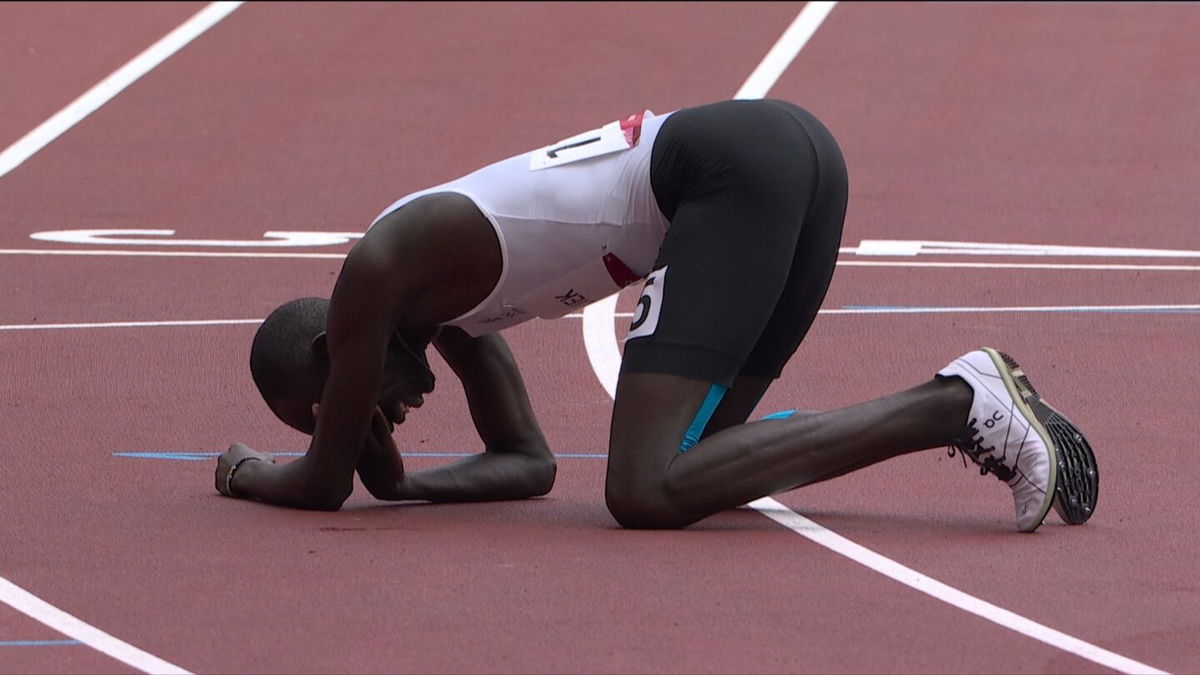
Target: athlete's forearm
[(519, 473), (280, 484), (359, 326), (488, 476), (380, 467)]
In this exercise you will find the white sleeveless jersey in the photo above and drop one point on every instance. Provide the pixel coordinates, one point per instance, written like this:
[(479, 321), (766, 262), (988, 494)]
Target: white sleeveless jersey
[(576, 221)]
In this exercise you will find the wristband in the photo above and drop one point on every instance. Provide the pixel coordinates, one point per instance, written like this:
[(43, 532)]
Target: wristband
[(233, 470)]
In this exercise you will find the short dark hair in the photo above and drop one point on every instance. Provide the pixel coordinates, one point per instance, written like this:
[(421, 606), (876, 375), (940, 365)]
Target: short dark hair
[(282, 360)]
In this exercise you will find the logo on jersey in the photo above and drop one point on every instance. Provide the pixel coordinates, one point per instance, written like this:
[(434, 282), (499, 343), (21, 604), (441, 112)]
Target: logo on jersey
[(621, 275), (645, 315), (571, 298), (632, 128)]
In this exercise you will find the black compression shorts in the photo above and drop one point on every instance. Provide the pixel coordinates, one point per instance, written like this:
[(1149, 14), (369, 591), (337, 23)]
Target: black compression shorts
[(755, 192)]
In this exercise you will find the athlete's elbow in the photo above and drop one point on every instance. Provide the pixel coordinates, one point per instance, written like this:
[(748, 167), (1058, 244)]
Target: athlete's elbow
[(541, 475)]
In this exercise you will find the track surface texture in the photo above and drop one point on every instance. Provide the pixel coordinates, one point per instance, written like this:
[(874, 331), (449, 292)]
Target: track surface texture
[(1040, 124)]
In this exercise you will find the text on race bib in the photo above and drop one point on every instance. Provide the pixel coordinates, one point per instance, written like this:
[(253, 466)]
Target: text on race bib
[(612, 137), (645, 314)]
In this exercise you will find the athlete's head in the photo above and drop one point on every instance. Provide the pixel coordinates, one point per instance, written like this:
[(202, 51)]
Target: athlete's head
[(289, 361)]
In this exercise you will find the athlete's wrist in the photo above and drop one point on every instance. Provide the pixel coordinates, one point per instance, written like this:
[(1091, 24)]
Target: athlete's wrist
[(235, 470)]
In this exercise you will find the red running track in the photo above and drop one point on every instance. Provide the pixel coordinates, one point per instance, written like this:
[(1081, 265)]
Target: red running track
[(1054, 124)]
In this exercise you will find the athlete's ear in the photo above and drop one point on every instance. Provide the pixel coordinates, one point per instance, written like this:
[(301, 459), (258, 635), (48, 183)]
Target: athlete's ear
[(320, 346)]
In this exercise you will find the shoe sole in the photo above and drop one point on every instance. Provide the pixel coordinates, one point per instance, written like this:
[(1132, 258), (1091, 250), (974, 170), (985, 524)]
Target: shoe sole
[(1077, 484), (1019, 393)]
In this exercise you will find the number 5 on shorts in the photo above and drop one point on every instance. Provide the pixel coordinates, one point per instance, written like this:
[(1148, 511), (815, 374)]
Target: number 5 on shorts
[(645, 316)]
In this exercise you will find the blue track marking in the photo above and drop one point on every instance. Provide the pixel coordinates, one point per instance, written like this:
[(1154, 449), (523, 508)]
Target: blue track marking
[(39, 643)]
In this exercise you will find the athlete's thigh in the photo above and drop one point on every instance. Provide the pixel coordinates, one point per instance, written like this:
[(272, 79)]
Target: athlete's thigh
[(812, 265), (799, 302), (717, 280), (808, 281), (738, 180), (651, 414), (787, 327)]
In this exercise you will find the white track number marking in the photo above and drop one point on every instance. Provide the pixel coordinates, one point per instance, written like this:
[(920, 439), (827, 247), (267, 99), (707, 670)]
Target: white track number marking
[(166, 238), (612, 137)]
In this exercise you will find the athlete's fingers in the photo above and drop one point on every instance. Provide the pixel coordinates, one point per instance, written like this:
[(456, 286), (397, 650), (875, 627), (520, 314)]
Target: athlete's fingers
[(381, 426), (230, 459), (397, 411), (387, 408), (380, 463)]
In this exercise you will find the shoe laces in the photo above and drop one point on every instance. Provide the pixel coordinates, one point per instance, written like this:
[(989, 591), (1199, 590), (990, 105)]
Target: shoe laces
[(970, 442)]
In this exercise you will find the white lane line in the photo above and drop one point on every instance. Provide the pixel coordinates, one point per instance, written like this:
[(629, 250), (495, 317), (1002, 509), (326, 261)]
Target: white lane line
[(11, 158), (1081, 309), (934, 588), (169, 254), (266, 255), (600, 326), (106, 89), (39, 610), (911, 247), (602, 352), (599, 339), (606, 362), (785, 49), (1020, 266), (129, 324)]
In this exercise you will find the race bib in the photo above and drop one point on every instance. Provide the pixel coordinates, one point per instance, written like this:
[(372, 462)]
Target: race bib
[(645, 315), (612, 137)]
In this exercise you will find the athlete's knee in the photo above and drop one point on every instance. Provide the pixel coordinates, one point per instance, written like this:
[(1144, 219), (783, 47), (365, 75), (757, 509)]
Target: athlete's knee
[(640, 513), (643, 504)]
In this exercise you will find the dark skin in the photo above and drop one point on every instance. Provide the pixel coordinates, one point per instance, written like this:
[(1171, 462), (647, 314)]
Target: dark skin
[(438, 257), (430, 239)]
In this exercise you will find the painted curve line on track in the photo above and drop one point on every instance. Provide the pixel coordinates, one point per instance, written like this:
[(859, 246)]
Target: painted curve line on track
[(599, 336)]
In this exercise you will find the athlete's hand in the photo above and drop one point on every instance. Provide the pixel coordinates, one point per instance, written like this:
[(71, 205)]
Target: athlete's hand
[(395, 412), (230, 459), (380, 467)]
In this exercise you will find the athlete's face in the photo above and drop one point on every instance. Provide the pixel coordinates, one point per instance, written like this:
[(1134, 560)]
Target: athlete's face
[(406, 380)]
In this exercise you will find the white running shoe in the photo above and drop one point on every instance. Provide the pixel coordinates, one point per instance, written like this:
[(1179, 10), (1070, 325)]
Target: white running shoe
[(1004, 436)]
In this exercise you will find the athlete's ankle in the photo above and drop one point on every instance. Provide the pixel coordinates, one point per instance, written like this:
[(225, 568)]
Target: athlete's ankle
[(956, 397)]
